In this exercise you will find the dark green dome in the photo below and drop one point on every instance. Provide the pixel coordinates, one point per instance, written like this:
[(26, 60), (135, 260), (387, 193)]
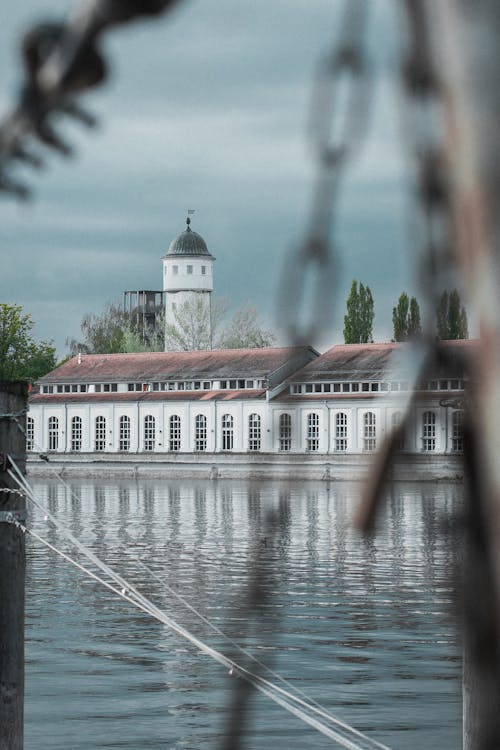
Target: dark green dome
[(188, 243)]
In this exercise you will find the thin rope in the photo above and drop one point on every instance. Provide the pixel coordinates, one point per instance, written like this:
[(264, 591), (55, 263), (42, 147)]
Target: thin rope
[(132, 595)]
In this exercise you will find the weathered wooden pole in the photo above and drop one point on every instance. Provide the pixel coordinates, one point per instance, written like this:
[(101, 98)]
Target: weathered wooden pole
[(13, 398), (467, 55)]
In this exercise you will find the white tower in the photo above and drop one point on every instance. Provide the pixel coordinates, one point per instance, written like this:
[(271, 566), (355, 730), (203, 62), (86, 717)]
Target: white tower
[(188, 284)]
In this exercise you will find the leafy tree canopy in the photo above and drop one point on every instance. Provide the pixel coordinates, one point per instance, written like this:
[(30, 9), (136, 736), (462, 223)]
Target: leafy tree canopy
[(21, 357), (358, 321)]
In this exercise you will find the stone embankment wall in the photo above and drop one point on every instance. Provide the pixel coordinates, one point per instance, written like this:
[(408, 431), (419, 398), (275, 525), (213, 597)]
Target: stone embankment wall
[(244, 466)]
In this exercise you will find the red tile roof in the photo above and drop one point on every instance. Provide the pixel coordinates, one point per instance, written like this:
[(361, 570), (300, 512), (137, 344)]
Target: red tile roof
[(160, 366), (361, 361)]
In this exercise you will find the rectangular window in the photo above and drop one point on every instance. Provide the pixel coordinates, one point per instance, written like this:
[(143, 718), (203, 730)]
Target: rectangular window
[(175, 433), (346, 387), (457, 431), (83, 389), (443, 385), (190, 269), (74, 389), (175, 270), (227, 432), (341, 432), (97, 388), (59, 389), (309, 388), (67, 389), (200, 433), (428, 431), (369, 432), (232, 385), (254, 432), (327, 387), (203, 270), (30, 433), (285, 433), (100, 434), (149, 432), (124, 434), (207, 385), (384, 386), (317, 388), (312, 435), (76, 434), (354, 387), (336, 387), (374, 386)]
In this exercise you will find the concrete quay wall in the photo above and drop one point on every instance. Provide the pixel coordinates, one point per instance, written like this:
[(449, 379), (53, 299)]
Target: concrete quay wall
[(414, 467)]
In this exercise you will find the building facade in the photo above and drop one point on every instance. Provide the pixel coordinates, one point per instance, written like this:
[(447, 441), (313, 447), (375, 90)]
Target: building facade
[(288, 400)]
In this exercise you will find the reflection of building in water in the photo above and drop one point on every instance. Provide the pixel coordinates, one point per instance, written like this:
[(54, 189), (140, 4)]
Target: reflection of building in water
[(287, 400)]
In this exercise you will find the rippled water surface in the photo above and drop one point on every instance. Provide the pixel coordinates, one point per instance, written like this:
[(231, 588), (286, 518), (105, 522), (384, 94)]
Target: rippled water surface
[(362, 627)]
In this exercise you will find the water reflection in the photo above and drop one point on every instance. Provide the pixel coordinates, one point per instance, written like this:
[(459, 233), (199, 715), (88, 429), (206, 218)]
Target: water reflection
[(363, 626)]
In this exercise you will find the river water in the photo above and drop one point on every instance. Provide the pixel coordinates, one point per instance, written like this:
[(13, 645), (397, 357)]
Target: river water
[(364, 627)]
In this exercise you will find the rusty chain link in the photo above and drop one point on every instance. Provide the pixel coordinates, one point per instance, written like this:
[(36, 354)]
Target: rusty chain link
[(338, 121), (60, 60)]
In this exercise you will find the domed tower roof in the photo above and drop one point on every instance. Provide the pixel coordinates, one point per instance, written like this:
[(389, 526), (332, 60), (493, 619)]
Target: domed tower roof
[(188, 243)]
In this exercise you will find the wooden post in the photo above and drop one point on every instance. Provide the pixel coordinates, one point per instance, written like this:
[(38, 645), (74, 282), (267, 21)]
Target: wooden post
[(13, 398)]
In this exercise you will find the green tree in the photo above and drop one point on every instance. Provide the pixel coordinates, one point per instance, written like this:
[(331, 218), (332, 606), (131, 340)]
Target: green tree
[(116, 330), (358, 321), (406, 318), (21, 357), (451, 317), (414, 322)]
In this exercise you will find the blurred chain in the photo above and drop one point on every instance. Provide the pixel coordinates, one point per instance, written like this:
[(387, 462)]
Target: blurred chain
[(60, 60), (426, 123), (338, 123)]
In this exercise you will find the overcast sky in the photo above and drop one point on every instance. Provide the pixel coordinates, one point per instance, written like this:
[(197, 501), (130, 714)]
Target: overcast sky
[(206, 108)]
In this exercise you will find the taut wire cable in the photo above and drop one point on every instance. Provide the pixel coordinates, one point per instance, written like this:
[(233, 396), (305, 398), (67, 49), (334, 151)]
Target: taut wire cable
[(128, 592)]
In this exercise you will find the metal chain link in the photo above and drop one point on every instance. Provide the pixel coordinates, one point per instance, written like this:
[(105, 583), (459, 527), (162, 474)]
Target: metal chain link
[(338, 121), (61, 60)]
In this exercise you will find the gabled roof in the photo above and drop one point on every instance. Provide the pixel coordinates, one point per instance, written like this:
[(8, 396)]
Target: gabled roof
[(199, 365), (370, 361)]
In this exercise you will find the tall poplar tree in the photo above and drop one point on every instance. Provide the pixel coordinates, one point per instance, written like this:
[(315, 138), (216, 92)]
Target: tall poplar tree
[(406, 318), (451, 317), (358, 321)]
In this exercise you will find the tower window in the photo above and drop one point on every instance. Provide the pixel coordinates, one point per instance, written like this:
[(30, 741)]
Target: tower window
[(203, 270), (175, 270), (190, 269)]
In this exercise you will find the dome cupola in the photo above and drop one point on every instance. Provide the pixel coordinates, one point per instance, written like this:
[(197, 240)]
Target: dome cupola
[(188, 243)]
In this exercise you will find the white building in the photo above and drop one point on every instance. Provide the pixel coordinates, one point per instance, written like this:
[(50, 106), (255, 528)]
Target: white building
[(278, 400)]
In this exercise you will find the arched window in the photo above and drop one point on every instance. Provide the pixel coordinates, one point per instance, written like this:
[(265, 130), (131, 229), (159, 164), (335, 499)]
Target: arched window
[(200, 432), (312, 435), (124, 434), (285, 432), (396, 420), (174, 443), (30, 433), (457, 431), (254, 432), (369, 431), (341, 432), (428, 431), (76, 433), (227, 432), (100, 434), (53, 433), (149, 432)]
